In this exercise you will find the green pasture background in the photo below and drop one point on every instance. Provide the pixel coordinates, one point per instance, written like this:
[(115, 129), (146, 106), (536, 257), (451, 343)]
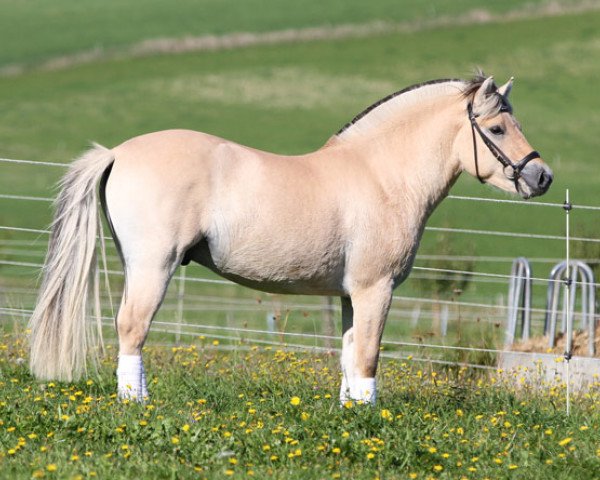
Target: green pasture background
[(289, 98)]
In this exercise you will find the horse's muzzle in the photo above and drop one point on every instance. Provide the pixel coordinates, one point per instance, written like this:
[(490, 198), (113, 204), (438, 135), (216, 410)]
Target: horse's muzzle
[(538, 179)]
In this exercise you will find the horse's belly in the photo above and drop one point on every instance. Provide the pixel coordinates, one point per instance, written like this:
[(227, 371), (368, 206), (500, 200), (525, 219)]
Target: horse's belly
[(304, 273)]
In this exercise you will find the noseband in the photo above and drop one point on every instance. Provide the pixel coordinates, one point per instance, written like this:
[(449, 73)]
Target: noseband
[(499, 154)]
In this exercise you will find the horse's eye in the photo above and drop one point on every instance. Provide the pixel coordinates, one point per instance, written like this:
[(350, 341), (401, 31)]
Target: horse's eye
[(497, 130)]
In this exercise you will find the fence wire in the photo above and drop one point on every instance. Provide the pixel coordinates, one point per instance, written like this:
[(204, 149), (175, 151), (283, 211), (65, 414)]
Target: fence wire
[(196, 303)]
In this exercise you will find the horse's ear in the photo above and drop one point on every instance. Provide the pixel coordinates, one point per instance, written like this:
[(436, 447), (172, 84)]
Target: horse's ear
[(487, 88), (505, 89)]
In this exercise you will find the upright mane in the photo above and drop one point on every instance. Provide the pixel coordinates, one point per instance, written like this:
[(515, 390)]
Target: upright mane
[(493, 103), (386, 107)]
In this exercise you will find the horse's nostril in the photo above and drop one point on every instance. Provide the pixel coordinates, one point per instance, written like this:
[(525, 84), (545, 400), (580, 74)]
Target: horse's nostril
[(545, 180)]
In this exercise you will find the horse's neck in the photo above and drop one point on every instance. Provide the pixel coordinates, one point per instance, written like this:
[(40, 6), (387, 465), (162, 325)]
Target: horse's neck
[(414, 158)]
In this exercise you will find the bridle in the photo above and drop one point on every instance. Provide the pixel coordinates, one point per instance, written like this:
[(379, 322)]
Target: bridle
[(499, 154)]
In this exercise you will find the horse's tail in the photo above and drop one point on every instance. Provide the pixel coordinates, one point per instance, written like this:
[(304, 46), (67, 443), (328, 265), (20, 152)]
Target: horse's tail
[(60, 335)]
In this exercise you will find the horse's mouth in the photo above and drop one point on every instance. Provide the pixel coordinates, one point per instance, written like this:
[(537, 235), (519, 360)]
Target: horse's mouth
[(535, 180)]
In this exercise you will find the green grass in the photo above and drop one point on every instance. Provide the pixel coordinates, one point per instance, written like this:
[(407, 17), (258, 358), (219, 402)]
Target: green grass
[(215, 414), (36, 30), (291, 98)]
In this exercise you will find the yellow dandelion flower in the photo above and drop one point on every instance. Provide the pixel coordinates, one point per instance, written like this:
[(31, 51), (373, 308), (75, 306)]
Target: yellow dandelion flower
[(295, 401), (174, 440), (336, 450), (512, 466), (51, 467), (304, 416), (386, 414), (229, 472), (565, 441), (370, 455), (432, 449), (438, 468), (185, 428)]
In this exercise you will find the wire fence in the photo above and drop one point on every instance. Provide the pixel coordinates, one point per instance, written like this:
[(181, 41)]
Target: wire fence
[(464, 330)]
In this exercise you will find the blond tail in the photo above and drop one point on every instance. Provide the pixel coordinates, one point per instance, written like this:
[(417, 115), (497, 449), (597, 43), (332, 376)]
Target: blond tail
[(61, 336)]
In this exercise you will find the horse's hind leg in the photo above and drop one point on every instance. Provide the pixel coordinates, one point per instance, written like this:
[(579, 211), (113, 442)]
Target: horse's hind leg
[(363, 319), (146, 283)]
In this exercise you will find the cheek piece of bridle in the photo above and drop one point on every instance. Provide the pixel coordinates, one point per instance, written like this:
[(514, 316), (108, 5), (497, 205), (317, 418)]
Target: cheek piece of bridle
[(499, 154)]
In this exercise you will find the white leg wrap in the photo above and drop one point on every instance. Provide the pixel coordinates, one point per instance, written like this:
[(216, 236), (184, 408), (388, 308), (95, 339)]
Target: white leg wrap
[(131, 378), (358, 390)]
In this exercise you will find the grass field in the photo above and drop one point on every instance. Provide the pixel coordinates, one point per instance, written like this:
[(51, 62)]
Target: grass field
[(263, 413), (290, 98), (35, 31)]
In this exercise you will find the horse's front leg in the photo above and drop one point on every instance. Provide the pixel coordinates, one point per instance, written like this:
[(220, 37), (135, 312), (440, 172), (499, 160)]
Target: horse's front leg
[(363, 319)]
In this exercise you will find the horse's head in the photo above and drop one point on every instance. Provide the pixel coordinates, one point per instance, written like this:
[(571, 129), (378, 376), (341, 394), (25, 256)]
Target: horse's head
[(495, 149)]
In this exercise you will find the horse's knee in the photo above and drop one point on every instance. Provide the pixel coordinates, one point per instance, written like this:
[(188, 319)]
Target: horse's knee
[(366, 364)]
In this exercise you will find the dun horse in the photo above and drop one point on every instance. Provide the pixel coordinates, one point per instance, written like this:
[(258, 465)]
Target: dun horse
[(345, 220)]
